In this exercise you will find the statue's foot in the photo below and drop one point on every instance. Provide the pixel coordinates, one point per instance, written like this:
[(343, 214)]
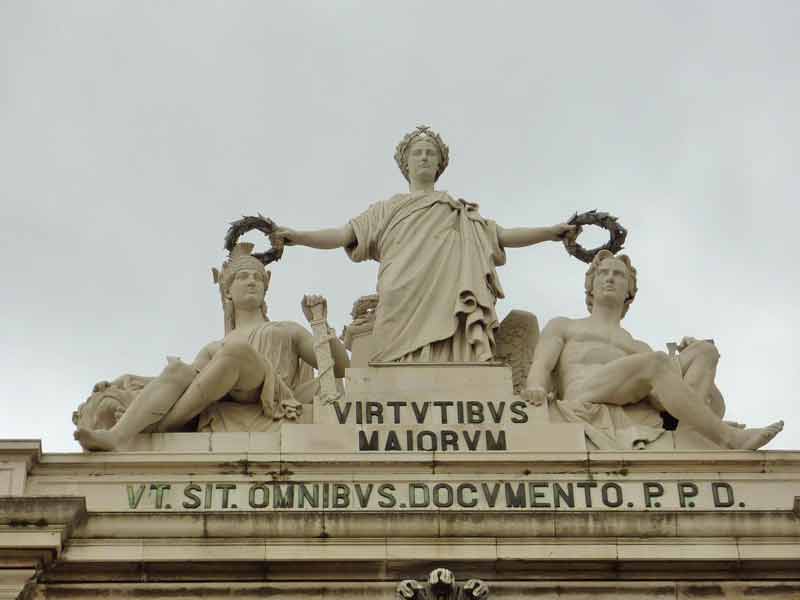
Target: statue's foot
[(96, 439), (753, 439)]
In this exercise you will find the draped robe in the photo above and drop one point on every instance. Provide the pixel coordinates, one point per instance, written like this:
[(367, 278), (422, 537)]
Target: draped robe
[(437, 283), (284, 372)]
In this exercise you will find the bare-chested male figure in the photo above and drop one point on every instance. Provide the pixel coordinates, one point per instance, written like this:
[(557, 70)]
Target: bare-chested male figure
[(595, 360)]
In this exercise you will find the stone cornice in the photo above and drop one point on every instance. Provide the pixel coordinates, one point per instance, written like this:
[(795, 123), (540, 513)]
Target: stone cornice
[(27, 451), (275, 463), (354, 525), (38, 527), (385, 590), (33, 534), (17, 458), (495, 558)]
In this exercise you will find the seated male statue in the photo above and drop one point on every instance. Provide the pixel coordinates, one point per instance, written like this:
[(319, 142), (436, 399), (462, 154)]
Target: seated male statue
[(437, 284), (598, 363), (258, 362)]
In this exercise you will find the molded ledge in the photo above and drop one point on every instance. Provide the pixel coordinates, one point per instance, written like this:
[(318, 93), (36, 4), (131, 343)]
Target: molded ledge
[(17, 458), (34, 529)]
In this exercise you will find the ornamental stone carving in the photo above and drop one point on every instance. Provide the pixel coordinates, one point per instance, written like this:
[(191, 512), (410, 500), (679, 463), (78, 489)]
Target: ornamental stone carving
[(441, 585), (258, 375)]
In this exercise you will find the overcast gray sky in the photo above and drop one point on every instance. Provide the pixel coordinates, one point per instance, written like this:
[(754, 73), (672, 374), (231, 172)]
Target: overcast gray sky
[(131, 133)]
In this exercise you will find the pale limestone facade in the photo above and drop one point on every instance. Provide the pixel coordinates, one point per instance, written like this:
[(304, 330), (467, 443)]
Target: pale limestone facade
[(452, 469), (318, 511)]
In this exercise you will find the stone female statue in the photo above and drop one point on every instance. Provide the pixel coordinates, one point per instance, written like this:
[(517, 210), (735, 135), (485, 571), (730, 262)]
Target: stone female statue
[(437, 285), (261, 362)]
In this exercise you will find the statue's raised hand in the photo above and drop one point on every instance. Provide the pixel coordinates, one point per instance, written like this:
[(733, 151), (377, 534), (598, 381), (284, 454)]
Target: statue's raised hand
[(315, 307), (282, 236), (535, 396), (564, 231)]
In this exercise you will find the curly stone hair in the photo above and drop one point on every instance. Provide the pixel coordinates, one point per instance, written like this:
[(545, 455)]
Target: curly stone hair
[(589, 280), (425, 133)]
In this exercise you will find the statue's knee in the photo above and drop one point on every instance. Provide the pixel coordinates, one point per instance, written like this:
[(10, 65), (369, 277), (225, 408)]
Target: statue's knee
[(708, 351), (660, 363), (178, 371), (239, 351)]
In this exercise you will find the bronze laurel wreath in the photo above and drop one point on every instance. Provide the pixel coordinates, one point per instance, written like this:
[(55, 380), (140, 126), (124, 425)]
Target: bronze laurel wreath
[(260, 223), (617, 234)]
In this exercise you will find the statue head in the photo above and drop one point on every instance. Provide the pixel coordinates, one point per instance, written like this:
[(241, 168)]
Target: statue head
[(243, 281), (606, 262), (413, 141)]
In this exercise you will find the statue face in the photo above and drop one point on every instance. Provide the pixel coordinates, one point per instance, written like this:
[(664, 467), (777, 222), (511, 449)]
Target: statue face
[(247, 289), (611, 282), (423, 161)]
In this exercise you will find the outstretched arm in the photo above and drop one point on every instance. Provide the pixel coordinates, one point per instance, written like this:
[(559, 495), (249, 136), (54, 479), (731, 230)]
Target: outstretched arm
[(519, 237), (322, 239), (545, 358)]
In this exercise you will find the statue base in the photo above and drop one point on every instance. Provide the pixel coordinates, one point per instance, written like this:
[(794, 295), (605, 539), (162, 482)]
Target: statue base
[(415, 468)]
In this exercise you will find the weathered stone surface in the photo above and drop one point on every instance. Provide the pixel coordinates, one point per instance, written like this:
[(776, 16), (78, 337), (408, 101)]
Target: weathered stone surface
[(16, 459), (426, 463), (386, 590), (618, 386), (272, 380)]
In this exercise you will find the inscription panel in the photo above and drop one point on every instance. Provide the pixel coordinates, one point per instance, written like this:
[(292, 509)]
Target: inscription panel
[(430, 492), (527, 494)]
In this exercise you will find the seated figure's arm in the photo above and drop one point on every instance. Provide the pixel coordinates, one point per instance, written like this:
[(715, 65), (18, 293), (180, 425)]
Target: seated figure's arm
[(545, 358), (518, 237), (341, 360), (304, 343), (322, 239)]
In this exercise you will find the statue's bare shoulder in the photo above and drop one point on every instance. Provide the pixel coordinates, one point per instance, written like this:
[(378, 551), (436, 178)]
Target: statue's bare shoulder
[(558, 327)]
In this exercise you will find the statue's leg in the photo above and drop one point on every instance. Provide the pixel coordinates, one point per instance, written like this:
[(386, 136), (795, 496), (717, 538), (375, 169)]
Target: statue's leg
[(236, 366), (630, 379), (620, 382), (682, 402), (149, 407), (699, 367)]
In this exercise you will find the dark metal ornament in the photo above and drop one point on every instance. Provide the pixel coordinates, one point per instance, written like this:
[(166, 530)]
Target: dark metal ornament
[(259, 223), (617, 234)]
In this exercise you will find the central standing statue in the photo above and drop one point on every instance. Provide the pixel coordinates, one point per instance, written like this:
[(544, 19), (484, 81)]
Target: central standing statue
[(437, 285)]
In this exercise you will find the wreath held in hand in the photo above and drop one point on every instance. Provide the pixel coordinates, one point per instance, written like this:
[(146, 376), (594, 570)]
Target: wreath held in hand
[(617, 234), (259, 223)]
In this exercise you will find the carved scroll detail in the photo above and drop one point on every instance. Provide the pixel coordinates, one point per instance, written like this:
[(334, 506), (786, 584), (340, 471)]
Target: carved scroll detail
[(441, 585), (315, 309)]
